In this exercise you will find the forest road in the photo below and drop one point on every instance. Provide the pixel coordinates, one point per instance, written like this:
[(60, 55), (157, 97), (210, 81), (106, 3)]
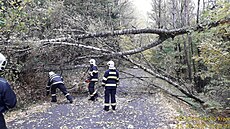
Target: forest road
[(137, 108)]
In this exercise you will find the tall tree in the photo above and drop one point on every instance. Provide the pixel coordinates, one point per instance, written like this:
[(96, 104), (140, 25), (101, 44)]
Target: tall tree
[(158, 13)]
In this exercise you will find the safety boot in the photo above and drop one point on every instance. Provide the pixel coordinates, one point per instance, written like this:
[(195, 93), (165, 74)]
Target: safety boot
[(114, 108), (106, 108), (91, 98), (54, 99), (70, 98)]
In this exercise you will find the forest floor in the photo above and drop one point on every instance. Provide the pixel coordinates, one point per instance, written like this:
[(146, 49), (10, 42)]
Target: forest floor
[(138, 107)]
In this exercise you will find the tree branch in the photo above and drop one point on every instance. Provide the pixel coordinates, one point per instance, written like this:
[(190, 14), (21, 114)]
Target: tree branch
[(176, 85), (133, 31), (79, 45), (161, 32), (160, 87)]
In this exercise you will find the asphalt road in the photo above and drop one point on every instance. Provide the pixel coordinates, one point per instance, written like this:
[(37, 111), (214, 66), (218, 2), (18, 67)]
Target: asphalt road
[(136, 108)]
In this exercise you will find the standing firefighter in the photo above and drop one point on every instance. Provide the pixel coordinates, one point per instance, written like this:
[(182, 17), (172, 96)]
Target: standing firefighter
[(7, 95), (56, 81), (110, 82), (92, 80)]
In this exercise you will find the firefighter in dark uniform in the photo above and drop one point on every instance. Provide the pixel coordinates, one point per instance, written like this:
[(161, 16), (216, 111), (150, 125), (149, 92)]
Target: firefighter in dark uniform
[(7, 96), (110, 82), (56, 81), (92, 80)]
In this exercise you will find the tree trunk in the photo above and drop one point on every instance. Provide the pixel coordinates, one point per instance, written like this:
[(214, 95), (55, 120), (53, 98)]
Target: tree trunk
[(174, 13), (198, 12), (188, 57), (159, 15), (203, 5), (186, 60)]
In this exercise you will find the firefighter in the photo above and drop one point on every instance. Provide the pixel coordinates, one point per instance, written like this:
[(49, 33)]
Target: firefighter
[(56, 81), (110, 82), (92, 79), (7, 96)]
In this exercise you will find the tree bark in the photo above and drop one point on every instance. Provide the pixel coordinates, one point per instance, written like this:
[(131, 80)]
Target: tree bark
[(187, 47), (161, 32), (198, 12), (159, 15)]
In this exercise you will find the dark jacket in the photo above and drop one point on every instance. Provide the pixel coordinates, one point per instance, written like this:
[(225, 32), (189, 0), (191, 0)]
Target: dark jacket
[(110, 79), (8, 98), (55, 79), (93, 73)]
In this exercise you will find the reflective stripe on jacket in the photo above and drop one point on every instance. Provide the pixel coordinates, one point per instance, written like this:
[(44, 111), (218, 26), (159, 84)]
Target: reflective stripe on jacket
[(111, 78), (93, 72), (55, 79)]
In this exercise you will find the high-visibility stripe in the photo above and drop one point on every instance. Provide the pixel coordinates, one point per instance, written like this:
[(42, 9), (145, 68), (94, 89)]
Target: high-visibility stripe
[(111, 77), (106, 104), (54, 77), (94, 79), (104, 78), (67, 94), (113, 104), (94, 93), (112, 72), (57, 83), (102, 83), (110, 84), (94, 71), (47, 87), (53, 95), (91, 73)]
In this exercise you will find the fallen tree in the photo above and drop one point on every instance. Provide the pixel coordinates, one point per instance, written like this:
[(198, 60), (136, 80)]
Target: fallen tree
[(163, 35)]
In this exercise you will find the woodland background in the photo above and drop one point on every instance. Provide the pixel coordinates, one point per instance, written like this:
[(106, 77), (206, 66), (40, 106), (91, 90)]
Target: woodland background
[(37, 36)]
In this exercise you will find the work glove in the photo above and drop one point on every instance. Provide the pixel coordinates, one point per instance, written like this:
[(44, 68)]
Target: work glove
[(87, 81)]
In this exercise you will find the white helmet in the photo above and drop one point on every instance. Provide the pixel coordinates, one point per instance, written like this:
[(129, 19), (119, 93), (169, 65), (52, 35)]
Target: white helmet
[(51, 73), (3, 62), (111, 64), (92, 61)]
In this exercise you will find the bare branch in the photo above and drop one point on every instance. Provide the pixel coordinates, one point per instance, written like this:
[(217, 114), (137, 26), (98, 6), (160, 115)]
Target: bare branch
[(164, 32), (79, 45), (129, 52), (64, 39), (166, 79), (140, 49), (160, 87)]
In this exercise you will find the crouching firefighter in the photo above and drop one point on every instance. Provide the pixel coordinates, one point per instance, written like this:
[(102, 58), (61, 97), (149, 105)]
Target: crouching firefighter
[(7, 96), (92, 80), (56, 81), (110, 82)]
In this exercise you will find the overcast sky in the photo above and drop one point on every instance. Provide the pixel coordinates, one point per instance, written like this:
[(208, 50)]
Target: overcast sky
[(145, 5)]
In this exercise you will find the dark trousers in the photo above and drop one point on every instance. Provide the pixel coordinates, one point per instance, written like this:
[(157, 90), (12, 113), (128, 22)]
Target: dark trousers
[(110, 94), (62, 88), (92, 91), (2, 122)]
